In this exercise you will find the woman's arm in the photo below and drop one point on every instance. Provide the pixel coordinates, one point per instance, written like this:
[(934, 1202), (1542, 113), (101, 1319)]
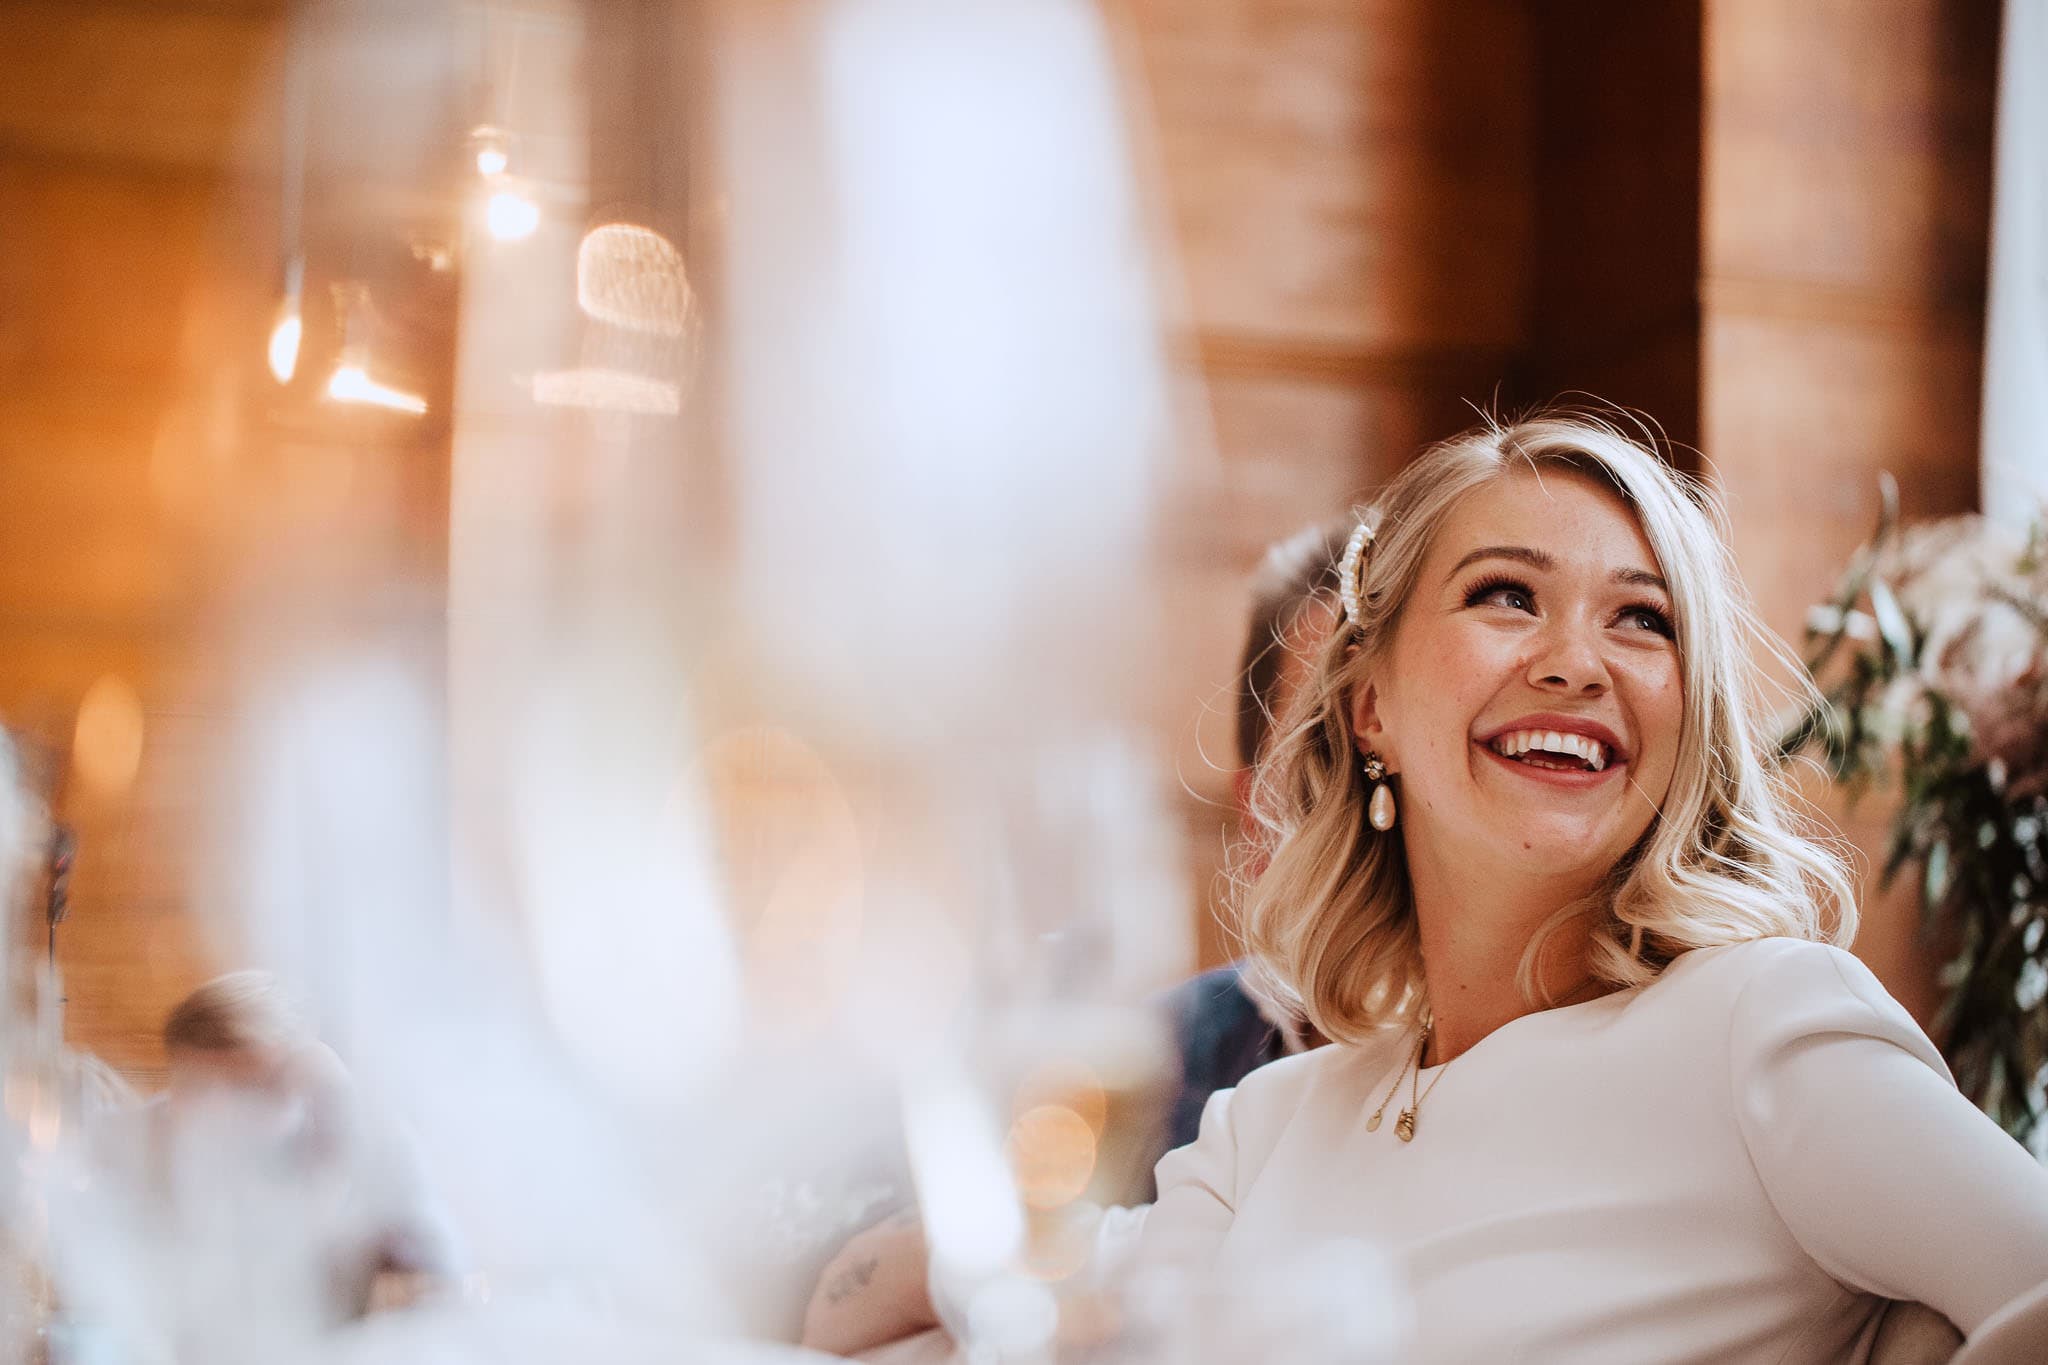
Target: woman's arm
[(876, 1290), (1893, 1182), (1197, 1193)]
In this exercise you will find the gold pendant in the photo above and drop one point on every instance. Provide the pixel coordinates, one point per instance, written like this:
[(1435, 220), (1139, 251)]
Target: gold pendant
[(1404, 1127), (1372, 1125)]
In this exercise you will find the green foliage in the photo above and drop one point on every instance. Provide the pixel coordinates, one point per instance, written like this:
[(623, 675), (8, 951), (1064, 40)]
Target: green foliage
[(1974, 840)]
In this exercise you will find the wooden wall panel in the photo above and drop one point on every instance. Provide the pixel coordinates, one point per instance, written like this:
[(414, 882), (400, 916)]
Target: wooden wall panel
[(1348, 173), (1850, 145), (1348, 188), (99, 268), (1291, 450), (114, 123), (1380, 208), (1807, 412), (74, 480), (151, 474), (1847, 173), (1617, 240), (129, 945), (1847, 197), (163, 84)]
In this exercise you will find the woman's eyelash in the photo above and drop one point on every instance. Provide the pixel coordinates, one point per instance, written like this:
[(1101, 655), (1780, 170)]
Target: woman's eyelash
[(1485, 587)]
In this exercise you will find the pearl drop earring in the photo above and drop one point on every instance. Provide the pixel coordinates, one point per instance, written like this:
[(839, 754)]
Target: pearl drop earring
[(1380, 810)]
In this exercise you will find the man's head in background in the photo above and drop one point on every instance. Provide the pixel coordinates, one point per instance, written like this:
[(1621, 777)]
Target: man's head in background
[(1221, 1025), (1293, 609), (263, 1121), (24, 815), (236, 1033)]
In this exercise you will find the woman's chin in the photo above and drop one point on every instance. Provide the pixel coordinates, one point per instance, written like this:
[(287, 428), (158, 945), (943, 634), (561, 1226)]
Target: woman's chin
[(1559, 847)]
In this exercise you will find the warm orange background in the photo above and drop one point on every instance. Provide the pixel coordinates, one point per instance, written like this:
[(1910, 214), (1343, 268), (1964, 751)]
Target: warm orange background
[(1764, 223)]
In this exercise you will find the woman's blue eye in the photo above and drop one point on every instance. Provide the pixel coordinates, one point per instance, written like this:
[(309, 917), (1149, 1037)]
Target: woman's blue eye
[(1650, 619), (1494, 593)]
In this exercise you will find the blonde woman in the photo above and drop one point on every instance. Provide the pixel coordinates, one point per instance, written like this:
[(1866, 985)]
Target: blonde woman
[(1607, 1088)]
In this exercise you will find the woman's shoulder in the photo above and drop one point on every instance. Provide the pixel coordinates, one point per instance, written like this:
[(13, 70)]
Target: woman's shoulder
[(1790, 967), (1337, 1071), (1774, 992), (1735, 964)]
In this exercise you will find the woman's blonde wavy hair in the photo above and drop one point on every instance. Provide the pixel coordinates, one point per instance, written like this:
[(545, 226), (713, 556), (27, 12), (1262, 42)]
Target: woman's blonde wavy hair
[(1330, 922)]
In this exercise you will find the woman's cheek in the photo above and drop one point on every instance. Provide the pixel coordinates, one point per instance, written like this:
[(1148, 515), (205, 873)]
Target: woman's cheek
[(1660, 694)]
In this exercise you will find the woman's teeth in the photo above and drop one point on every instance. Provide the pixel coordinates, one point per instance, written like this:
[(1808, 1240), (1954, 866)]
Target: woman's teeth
[(1551, 749)]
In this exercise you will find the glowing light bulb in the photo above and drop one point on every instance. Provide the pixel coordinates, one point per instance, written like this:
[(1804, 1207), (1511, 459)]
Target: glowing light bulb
[(351, 383), (511, 216), (284, 341), (492, 148)]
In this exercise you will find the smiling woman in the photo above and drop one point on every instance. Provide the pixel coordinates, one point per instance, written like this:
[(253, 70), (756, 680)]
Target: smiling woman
[(1550, 655), (1533, 871), (1532, 697)]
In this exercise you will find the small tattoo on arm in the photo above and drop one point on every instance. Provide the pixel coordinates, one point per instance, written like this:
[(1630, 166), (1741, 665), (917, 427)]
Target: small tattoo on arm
[(851, 1280)]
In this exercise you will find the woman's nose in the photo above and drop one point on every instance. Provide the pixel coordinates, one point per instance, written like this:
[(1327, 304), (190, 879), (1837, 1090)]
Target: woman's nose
[(1568, 660)]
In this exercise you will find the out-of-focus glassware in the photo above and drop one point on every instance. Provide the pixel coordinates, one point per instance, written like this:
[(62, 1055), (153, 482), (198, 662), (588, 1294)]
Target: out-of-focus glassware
[(1335, 1302)]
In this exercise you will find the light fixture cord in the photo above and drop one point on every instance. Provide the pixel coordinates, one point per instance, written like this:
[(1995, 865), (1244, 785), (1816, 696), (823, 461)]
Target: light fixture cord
[(292, 173)]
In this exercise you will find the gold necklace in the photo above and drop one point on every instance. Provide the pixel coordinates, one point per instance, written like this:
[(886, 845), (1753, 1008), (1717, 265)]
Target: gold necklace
[(1411, 1070), (1372, 1125), (1404, 1126)]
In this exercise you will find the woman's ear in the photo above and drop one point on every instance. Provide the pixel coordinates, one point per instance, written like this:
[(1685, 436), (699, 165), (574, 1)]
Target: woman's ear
[(1368, 734)]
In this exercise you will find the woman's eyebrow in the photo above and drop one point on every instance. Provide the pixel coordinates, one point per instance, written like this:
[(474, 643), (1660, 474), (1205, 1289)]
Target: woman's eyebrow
[(1641, 578), (1534, 558), (1539, 559)]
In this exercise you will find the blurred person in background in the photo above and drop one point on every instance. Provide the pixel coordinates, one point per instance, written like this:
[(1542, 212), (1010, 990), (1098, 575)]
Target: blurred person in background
[(236, 1047), (1222, 1029), (96, 1092), (259, 1185), (1534, 871), (875, 1291)]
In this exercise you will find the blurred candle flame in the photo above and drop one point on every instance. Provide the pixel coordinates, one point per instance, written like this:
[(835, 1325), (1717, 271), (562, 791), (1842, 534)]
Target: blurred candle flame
[(107, 740), (1052, 1150)]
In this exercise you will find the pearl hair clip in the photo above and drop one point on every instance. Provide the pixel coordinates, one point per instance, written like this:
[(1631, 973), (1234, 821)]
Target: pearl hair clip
[(1351, 574)]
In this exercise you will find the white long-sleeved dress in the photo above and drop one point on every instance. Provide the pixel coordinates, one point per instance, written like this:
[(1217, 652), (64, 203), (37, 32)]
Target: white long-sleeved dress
[(1736, 1162)]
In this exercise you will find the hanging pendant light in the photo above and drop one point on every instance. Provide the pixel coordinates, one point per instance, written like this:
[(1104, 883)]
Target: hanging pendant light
[(511, 214), (491, 146), (353, 380), (288, 327), (633, 291), (351, 383)]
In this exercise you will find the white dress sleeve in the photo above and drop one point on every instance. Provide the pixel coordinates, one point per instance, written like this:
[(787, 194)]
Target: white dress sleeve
[(1118, 1232), (1888, 1178), (1197, 1193)]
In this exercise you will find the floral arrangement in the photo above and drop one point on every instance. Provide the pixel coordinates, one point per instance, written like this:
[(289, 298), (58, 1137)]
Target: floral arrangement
[(1932, 659)]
